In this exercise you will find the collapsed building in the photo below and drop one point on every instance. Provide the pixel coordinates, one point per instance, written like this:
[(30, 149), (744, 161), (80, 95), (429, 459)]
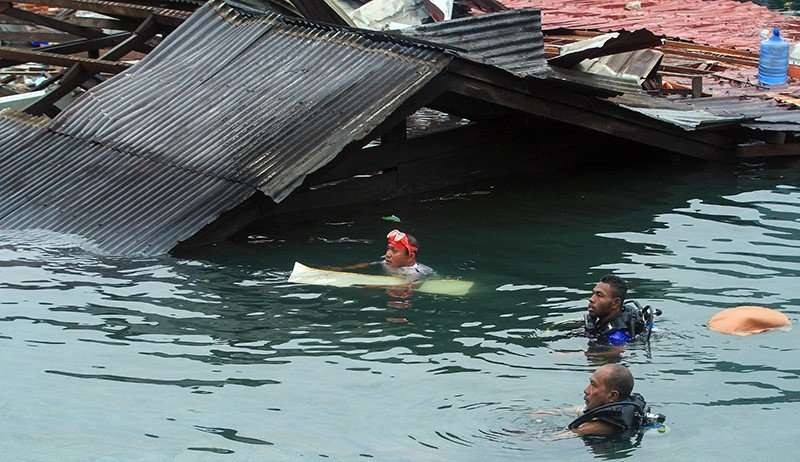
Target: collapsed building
[(237, 113)]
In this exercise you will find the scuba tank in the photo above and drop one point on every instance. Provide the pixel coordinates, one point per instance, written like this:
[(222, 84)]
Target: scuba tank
[(656, 421), (645, 315)]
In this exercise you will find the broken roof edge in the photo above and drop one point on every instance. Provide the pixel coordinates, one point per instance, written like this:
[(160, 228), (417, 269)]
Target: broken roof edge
[(24, 117), (230, 11), (606, 44), (509, 40)]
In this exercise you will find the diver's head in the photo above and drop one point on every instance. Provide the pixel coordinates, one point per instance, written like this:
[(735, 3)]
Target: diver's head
[(401, 249), (608, 384), (608, 295)]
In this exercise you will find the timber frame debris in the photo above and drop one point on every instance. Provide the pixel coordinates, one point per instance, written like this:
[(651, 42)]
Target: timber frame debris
[(267, 128)]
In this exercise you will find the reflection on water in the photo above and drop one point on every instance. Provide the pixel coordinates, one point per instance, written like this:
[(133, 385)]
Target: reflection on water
[(214, 355)]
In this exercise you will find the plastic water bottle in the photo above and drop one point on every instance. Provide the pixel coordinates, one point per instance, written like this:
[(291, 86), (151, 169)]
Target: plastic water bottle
[(773, 61)]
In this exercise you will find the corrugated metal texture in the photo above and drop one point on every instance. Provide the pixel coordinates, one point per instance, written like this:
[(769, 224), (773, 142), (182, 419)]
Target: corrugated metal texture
[(724, 72), (226, 105), (259, 100), (604, 45), (635, 65), (606, 85), (698, 113), (722, 23), (511, 40), (123, 203)]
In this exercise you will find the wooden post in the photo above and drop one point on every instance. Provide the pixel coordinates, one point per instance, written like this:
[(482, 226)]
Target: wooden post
[(697, 86)]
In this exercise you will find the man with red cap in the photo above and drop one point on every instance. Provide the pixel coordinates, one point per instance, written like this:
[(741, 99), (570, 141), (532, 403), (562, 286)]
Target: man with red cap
[(400, 258)]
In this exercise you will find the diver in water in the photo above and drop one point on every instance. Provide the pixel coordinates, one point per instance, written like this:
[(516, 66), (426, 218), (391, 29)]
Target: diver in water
[(611, 319), (611, 407)]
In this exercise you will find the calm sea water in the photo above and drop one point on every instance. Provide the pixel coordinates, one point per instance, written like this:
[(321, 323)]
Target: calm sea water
[(213, 356)]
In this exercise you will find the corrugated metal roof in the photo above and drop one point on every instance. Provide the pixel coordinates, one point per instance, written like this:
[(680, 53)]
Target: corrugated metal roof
[(604, 45), (634, 65), (122, 202), (721, 23), (698, 113), (226, 105), (511, 40), (606, 85)]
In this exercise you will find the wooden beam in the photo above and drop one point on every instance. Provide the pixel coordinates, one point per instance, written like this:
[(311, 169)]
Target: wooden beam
[(48, 81), (143, 33), (52, 23), (83, 45), (95, 23), (72, 78), (164, 16), (356, 161), (35, 36), (77, 46), (768, 150), (92, 65), (546, 99), (434, 88)]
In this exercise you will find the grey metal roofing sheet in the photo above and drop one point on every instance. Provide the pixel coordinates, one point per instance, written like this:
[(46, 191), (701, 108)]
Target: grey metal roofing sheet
[(698, 113), (511, 40), (226, 105), (600, 84), (605, 45), (122, 202)]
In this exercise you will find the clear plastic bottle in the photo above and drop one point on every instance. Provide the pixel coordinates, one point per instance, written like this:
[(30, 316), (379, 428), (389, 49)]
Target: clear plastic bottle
[(773, 60)]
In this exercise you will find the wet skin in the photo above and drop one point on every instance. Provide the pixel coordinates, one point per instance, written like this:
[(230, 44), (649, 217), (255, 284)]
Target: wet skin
[(603, 303), (398, 257)]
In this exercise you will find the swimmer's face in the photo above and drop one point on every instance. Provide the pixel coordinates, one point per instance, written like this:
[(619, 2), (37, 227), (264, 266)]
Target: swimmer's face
[(397, 257), (597, 393), (603, 302)]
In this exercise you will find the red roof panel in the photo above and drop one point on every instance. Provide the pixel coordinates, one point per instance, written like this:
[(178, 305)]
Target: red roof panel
[(719, 23)]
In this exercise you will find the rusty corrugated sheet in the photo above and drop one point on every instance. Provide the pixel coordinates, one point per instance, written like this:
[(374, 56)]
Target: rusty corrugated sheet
[(225, 106), (511, 40), (721, 23)]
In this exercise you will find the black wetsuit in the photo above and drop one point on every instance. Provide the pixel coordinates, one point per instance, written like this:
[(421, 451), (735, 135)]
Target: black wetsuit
[(619, 330), (627, 415)]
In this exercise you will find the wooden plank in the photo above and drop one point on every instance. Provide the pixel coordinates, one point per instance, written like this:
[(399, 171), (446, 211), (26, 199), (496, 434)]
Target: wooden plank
[(545, 99), (361, 161), (302, 274), (52, 23), (143, 33), (35, 36), (83, 45), (72, 78), (92, 65), (129, 10), (95, 23), (768, 150)]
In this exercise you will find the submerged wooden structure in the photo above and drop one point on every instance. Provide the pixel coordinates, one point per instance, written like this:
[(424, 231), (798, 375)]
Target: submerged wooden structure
[(236, 116)]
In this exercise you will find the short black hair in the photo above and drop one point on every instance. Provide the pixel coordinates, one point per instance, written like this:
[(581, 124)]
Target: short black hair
[(413, 241), (619, 378), (618, 285)]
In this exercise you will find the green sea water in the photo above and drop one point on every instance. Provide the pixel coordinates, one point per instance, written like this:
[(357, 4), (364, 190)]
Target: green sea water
[(213, 356)]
